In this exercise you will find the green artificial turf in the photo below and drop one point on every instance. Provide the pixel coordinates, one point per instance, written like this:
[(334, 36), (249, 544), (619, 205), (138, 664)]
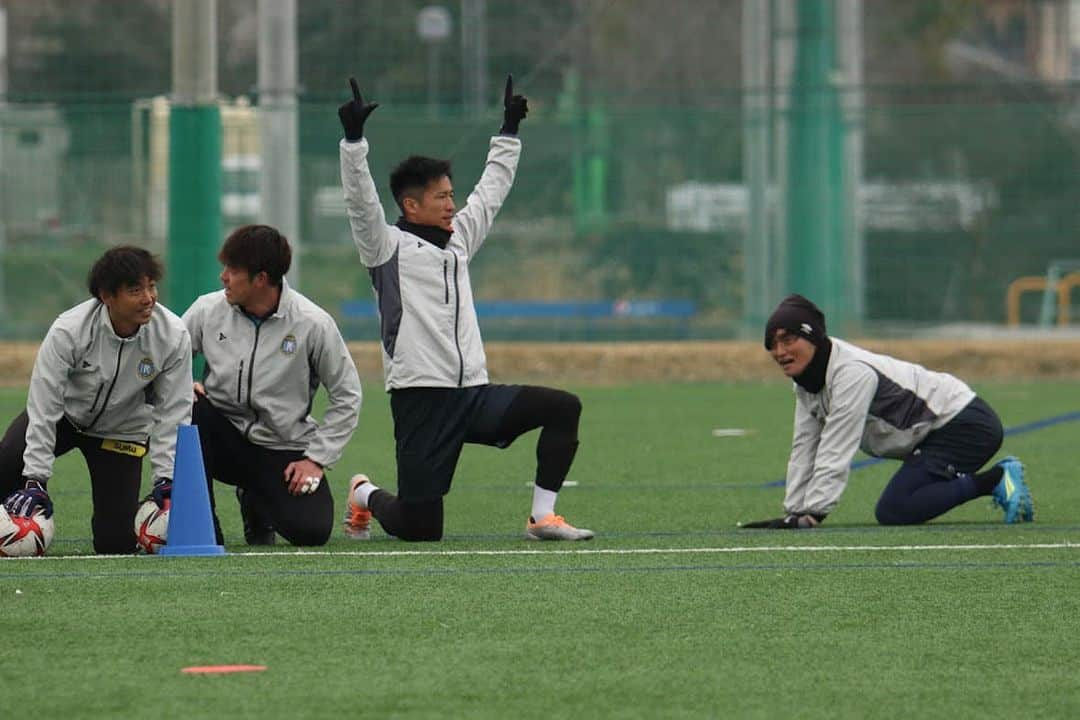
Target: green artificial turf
[(671, 612)]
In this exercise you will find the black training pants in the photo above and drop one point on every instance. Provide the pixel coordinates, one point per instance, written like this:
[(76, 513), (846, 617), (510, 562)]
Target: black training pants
[(938, 476), (114, 481), (260, 471)]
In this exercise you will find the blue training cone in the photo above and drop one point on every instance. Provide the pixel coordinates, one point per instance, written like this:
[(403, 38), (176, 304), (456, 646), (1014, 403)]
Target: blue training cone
[(191, 524)]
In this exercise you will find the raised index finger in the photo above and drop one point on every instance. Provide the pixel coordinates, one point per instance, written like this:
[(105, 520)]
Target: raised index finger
[(509, 90), (356, 91)]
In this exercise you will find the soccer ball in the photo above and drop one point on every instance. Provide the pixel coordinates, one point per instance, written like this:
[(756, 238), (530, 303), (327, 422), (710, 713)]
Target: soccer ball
[(25, 537), (151, 526)]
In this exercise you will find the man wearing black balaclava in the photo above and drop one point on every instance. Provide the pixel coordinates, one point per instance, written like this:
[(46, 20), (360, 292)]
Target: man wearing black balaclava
[(847, 398)]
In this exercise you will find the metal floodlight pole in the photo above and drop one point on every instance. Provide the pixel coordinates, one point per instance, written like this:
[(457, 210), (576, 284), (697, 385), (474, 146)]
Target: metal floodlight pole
[(474, 56), (278, 135), (433, 26), (3, 54), (784, 35), (757, 122), (433, 77), (194, 154), (850, 35)]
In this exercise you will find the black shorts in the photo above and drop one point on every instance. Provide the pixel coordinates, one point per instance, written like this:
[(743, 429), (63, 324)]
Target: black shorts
[(432, 424)]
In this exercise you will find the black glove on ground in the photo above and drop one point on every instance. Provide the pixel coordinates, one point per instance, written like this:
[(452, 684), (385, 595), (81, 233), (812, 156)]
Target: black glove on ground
[(788, 522)]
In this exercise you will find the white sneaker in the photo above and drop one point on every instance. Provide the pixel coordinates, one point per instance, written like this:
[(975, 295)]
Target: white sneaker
[(357, 518), (554, 527)]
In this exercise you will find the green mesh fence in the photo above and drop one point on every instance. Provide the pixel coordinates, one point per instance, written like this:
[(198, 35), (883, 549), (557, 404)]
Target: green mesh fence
[(965, 189)]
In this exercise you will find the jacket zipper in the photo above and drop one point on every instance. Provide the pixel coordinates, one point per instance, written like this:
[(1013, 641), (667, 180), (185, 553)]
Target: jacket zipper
[(445, 283), (457, 315), (240, 384), (105, 402), (251, 378), (97, 396)]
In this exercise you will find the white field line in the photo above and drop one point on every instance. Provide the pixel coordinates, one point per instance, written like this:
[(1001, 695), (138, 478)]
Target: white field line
[(611, 551)]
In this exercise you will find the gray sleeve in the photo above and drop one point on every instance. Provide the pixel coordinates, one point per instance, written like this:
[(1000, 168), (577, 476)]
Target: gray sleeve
[(850, 394), (474, 220), (193, 321), (172, 407), (337, 372), (45, 401), (367, 219), (804, 443)]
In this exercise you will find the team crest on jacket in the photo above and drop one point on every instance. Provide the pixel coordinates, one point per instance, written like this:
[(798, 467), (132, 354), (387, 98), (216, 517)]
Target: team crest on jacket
[(288, 345), (146, 369)]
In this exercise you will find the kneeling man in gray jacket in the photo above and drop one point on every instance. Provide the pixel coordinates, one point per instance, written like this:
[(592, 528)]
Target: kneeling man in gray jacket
[(268, 349), (112, 378), (433, 355), (847, 398)]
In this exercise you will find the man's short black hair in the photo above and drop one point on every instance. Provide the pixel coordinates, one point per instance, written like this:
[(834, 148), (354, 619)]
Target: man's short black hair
[(257, 248), (122, 266), (415, 173)]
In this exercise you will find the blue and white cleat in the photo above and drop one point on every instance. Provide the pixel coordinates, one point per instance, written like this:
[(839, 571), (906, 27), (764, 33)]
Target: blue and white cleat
[(1011, 493)]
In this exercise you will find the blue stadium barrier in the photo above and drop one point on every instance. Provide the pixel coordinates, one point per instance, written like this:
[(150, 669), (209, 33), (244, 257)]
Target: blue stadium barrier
[(680, 309), (591, 313)]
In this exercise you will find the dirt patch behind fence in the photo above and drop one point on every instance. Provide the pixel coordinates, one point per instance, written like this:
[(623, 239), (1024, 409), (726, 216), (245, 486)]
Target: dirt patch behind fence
[(742, 361), (611, 363)]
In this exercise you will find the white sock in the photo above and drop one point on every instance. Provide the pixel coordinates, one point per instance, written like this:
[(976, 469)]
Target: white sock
[(363, 492), (543, 502)]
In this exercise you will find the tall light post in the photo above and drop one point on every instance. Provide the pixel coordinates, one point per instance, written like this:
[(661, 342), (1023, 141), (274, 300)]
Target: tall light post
[(433, 26), (474, 56), (278, 136)]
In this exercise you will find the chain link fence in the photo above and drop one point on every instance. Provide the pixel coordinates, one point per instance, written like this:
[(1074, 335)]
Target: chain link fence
[(965, 190)]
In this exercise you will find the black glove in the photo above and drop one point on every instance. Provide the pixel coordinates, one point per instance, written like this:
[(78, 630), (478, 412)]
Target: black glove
[(515, 108), (353, 114), (161, 493), (788, 522), (27, 501)]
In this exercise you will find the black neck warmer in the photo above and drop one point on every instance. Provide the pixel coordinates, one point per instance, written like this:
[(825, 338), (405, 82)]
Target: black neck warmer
[(434, 235), (812, 379)]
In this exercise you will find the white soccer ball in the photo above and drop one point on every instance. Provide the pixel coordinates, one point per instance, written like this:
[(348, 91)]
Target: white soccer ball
[(151, 526), (25, 537)]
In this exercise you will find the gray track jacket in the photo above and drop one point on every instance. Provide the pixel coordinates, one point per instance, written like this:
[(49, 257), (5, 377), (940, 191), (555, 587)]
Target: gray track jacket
[(136, 389), (430, 335), (263, 377), (874, 402)]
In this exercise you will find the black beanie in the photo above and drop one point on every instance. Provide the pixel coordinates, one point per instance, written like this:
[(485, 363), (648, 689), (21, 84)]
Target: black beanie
[(799, 316)]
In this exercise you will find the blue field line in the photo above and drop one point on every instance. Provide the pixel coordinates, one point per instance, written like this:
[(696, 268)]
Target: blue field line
[(1016, 430), (550, 570)]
